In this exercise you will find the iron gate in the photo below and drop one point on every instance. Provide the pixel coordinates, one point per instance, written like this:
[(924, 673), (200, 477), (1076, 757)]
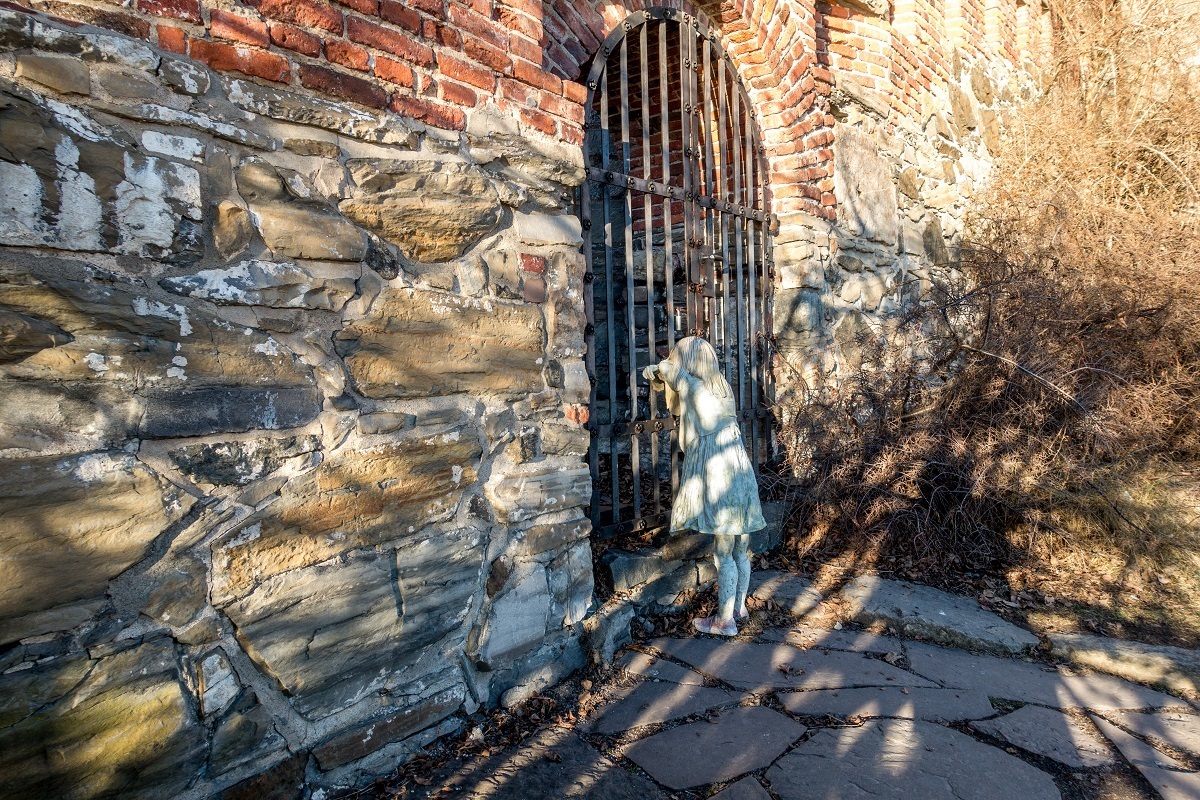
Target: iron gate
[(678, 239)]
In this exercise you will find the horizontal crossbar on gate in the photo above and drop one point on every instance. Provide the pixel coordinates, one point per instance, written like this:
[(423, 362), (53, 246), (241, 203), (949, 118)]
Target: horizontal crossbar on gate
[(636, 525), (622, 181)]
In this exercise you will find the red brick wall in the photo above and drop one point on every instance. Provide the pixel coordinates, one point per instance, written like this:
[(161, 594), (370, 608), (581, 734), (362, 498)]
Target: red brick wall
[(433, 59)]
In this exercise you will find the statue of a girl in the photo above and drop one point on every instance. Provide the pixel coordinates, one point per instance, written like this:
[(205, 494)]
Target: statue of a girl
[(718, 493)]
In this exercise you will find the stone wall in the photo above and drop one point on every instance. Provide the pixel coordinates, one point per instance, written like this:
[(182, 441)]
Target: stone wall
[(287, 477), (291, 333)]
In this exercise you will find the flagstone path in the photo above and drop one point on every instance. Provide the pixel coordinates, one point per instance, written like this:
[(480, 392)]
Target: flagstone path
[(803, 713)]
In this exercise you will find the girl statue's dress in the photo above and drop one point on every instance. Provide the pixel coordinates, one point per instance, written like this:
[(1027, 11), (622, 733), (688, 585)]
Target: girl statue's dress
[(718, 493)]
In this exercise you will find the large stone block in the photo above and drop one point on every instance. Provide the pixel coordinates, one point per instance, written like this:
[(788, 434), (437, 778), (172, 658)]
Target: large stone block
[(179, 371), (418, 344), (125, 729), (321, 113), (360, 742), (798, 313), (266, 283), (432, 211), (74, 184), (866, 194), (518, 617), (21, 336), (356, 498), (70, 526), (333, 633), (295, 226), (538, 489), (240, 463)]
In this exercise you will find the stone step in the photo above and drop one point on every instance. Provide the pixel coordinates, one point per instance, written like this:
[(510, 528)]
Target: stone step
[(923, 612), (1174, 668)]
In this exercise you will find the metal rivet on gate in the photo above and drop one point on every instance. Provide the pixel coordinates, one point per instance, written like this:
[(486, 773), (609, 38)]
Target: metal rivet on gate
[(608, 176), (588, 277), (637, 428), (589, 329), (587, 224), (658, 426), (631, 181)]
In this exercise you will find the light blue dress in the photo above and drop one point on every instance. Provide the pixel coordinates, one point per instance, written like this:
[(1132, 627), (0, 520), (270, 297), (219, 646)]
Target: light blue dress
[(718, 492)]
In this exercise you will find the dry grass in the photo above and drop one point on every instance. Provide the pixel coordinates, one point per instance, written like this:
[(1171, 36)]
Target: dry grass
[(1039, 416)]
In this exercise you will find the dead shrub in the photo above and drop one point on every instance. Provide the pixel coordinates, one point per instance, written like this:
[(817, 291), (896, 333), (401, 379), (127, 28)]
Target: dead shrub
[(1044, 399)]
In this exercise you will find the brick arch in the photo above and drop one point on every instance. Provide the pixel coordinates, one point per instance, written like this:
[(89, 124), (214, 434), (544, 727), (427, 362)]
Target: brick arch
[(773, 48)]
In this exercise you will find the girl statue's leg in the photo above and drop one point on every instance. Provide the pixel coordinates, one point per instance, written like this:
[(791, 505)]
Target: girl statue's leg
[(741, 557), (727, 587)]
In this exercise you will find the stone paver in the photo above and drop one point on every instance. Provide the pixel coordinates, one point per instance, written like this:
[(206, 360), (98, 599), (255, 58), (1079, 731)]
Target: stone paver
[(1164, 773), (904, 758), (905, 740), (848, 640), (1051, 734), (656, 702), (555, 763), (1031, 683), (791, 593), (647, 666), (736, 742), (745, 789), (759, 667), (927, 613), (1176, 668), (933, 705), (1181, 731)]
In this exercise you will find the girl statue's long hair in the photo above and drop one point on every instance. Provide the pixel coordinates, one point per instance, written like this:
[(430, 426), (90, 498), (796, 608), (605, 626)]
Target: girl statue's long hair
[(699, 358)]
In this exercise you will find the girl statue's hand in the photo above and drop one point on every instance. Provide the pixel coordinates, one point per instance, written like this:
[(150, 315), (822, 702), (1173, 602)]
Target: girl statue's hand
[(650, 373)]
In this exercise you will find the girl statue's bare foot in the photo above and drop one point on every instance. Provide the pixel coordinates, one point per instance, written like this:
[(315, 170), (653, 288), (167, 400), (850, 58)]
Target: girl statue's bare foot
[(741, 614), (714, 626)]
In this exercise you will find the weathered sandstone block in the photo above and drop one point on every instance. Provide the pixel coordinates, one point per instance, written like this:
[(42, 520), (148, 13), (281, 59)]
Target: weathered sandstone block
[(294, 226), (866, 195), (181, 372), (354, 499), (420, 344), (267, 283), (333, 633), (126, 729), (434, 212), (71, 525), (536, 489)]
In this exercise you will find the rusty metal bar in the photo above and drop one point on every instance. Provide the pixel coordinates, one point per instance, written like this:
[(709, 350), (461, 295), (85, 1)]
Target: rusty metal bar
[(664, 83), (752, 270), (648, 249), (610, 327), (630, 301)]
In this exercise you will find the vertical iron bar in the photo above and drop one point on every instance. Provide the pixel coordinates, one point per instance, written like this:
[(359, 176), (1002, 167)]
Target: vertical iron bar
[(766, 290), (723, 197), (664, 89), (738, 224), (610, 327), (630, 300), (685, 60), (589, 337), (648, 249), (752, 272), (709, 221)]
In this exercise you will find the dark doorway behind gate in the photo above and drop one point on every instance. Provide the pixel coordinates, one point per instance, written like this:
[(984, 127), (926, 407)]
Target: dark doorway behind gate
[(677, 239)]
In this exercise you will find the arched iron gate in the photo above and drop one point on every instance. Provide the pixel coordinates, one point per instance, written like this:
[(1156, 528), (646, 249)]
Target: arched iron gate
[(678, 243)]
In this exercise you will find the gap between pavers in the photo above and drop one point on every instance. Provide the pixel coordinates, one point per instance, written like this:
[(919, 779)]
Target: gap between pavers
[(1165, 774)]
